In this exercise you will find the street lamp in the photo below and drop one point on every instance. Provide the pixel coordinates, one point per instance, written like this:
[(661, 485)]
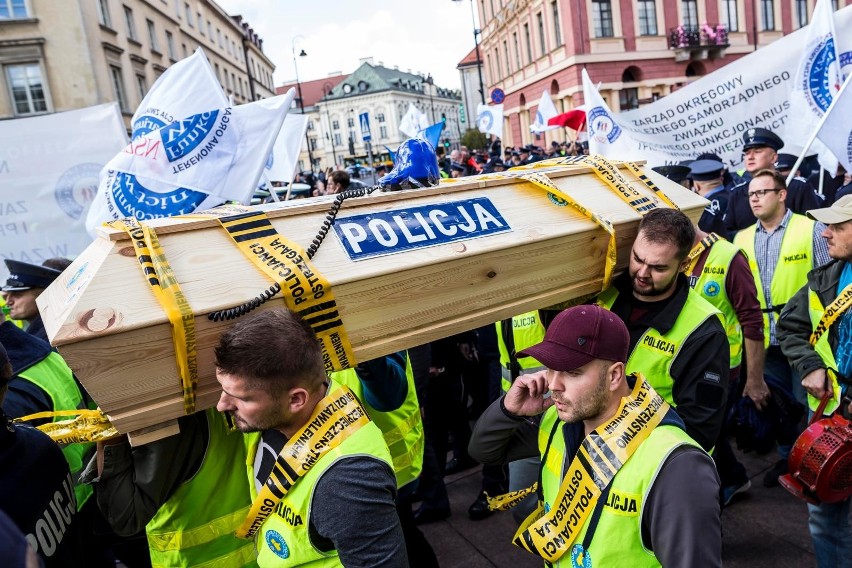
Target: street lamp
[(301, 100), (476, 33), (326, 89), (431, 83)]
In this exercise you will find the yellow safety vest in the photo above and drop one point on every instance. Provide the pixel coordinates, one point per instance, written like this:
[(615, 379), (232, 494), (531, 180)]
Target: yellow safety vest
[(823, 349), (655, 352), (195, 527), (401, 428), (794, 262), (527, 330)]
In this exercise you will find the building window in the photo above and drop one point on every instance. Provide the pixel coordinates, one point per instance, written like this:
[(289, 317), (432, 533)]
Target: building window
[(690, 13), (730, 17), (350, 122), (201, 24), (103, 13), (338, 141), (557, 30), (767, 15), (648, 17), (517, 50), (177, 9), (118, 87), (335, 125), (528, 41), (210, 30), (27, 87), (13, 9), (188, 11), (131, 25), (170, 45), (219, 38), (380, 117), (183, 48), (152, 36), (801, 13), (541, 43), (602, 18), (142, 85), (628, 98), (506, 56), (383, 132)]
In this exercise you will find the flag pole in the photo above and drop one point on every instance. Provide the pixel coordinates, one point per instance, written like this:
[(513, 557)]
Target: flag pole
[(817, 129)]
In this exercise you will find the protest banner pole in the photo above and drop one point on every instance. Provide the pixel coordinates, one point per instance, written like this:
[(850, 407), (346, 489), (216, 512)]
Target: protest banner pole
[(817, 129)]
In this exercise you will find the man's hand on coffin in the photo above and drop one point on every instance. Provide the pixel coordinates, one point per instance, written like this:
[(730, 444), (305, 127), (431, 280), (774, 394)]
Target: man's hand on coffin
[(529, 395)]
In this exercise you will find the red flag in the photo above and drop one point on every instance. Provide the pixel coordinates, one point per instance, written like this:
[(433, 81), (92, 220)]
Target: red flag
[(574, 119)]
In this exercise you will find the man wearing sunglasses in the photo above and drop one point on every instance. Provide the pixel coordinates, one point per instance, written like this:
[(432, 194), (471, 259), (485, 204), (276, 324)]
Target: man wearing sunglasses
[(782, 247)]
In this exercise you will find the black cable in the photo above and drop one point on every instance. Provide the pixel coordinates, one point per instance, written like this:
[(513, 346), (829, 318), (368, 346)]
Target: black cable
[(269, 293)]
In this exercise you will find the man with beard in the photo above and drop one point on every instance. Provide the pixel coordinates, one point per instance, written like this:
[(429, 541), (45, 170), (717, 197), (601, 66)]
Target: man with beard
[(677, 339)]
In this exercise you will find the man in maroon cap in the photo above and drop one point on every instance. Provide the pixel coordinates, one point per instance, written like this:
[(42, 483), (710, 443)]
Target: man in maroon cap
[(622, 483)]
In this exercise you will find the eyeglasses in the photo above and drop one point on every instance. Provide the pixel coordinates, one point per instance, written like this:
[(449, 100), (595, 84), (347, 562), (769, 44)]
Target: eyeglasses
[(761, 192)]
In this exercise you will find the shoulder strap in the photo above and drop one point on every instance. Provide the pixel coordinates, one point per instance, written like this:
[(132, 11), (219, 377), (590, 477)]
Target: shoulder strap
[(509, 341)]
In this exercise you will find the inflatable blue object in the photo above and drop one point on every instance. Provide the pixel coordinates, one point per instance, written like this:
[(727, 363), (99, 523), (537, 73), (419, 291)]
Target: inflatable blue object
[(416, 165)]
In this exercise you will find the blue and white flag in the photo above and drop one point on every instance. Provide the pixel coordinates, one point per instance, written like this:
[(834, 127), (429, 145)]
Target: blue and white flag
[(191, 164), (281, 165), (432, 134), (413, 122), (543, 113), (489, 119), (815, 84), (606, 136), (836, 131), (188, 87)]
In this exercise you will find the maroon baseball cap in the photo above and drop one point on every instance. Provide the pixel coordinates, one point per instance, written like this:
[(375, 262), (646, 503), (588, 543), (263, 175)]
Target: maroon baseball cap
[(580, 335)]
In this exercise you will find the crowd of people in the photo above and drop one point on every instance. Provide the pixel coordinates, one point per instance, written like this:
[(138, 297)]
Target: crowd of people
[(606, 428)]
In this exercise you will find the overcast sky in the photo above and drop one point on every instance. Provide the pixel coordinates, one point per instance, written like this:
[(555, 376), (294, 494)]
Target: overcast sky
[(429, 36)]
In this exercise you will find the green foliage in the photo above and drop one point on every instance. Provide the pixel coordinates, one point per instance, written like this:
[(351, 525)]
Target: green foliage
[(474, 139)]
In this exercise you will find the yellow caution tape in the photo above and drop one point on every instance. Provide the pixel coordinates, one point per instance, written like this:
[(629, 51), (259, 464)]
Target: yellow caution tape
[(506, 501), (638, 172), (88, 426), (608, 173), (166, 289)]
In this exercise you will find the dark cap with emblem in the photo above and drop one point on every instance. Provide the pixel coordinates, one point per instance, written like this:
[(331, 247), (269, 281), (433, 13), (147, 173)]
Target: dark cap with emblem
[(580, 335), (785, 162), (706, 170), (759, 137), (25, 276), (676, 173)]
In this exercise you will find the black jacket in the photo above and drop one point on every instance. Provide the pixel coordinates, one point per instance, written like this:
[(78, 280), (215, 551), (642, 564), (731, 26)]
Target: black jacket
[(801, 198)]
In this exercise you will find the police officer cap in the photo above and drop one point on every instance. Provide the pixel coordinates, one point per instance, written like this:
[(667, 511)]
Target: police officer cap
[(25, 276), (785, 162), (495, 163), (757, 137), (676, 173), (706, 170), (524, 149)]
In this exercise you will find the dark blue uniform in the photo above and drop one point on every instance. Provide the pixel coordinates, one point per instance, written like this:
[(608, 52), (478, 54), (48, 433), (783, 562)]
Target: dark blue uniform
[(713, 218)]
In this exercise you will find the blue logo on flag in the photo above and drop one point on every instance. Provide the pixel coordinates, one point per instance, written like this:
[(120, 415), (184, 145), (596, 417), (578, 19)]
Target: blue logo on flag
[(182, 137), (398, 230), (277, 544), (132, 199), (818, 87), (602, 127), (76, 188), (486, 119), (145, 124)]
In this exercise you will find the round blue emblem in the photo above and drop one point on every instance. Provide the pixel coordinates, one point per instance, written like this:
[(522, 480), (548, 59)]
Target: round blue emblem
[(818, 88), (76, 188), (182, 137), (485, 120), (712, 288), (277, 544), (602, 127), (498, 96), (580, 557), (145, 124), (132, 199)]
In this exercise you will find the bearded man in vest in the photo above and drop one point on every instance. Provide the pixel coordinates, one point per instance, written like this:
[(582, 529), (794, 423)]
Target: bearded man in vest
[(676, 337), (622, 483), (825, 360), (782, 247)]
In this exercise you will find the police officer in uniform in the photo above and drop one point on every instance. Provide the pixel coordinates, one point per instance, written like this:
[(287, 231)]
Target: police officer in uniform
[(675, 172), (26, 281), (707, 181), (760, 151)]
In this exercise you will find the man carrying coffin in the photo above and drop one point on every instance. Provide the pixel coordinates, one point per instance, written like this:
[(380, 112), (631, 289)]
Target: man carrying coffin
[(622, 483)]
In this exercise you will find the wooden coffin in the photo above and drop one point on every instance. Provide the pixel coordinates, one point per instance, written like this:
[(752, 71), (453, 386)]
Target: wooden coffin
[(105, 321)]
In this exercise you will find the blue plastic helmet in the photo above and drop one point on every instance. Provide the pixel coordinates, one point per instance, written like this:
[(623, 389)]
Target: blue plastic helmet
[(415, 166)]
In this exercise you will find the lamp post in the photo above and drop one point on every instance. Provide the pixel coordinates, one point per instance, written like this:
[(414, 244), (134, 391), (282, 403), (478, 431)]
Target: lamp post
[(431, 82), (301, 100), (326, 89), (476, 33)]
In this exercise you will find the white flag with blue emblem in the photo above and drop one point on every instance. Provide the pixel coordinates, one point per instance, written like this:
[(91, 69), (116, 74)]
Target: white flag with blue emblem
[(489, 119), (194, 163), (413, 122), (281, 165), (815, 84), (606, 137), (836, 131), (545, 112)]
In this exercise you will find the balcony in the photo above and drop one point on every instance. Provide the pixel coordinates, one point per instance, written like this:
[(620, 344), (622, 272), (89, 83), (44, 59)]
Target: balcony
[(698, 42)]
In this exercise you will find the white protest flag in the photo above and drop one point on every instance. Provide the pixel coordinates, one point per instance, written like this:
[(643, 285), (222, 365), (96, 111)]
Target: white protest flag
[(606, 137), (281, 164), (836, 131), (49, 167), (489, 119), (545, 112), (815, 84), (188, 87), (192, 164), (413, 122)]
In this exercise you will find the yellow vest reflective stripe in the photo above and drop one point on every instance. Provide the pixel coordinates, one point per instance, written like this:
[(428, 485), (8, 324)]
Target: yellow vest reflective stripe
[(53, 376), (655, 352), (711, 286), (283, 539), (527, 330), (794, 262), (195, 527), (823, 349), (402, 428), (618, 536)]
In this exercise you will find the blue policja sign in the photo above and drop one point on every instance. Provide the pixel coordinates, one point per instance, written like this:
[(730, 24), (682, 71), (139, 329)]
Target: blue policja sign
[(398, 230), (364, 119)]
